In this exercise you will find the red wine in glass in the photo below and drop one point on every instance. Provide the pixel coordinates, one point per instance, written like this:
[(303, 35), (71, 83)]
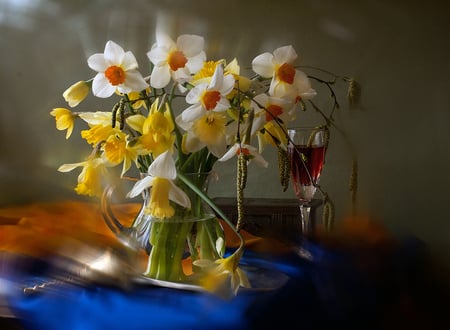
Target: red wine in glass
[(306, 149), (306, 166)]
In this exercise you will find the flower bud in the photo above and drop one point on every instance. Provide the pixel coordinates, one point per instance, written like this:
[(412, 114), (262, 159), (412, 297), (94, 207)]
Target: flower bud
[(76, 93)]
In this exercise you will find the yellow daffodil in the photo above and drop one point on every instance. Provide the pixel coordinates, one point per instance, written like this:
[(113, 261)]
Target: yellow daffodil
[(157, 140), (205, 73), (90, 178), (160, 176), (100, 127), (272, 134), (136, 100), (77, 93), (156, 129), (176, 60), (118, 150), (207, 131), (64, 120), (97, 134), (223, 276), (286, 80), (117, 71)]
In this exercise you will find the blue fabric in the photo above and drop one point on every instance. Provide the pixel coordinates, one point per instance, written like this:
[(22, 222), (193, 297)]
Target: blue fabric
[(336, 289)]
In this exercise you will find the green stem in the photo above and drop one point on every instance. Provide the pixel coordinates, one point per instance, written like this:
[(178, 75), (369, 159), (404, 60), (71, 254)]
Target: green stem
[(168, 240), (208, 200)]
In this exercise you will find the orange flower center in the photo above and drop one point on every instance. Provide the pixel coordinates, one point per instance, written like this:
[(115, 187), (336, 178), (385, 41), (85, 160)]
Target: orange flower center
[(115, 75), (210, 99), (176, 60), (245, 151), (273, 111), (286, 73)]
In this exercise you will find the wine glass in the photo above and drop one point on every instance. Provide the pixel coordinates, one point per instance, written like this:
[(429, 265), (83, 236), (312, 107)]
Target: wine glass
[(306, 150)]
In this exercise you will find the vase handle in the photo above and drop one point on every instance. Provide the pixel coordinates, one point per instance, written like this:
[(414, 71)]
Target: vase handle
[(125, 234), (108, 215)]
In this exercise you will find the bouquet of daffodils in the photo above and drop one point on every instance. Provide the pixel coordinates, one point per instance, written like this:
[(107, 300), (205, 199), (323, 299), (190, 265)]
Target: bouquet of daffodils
[(224, 114)]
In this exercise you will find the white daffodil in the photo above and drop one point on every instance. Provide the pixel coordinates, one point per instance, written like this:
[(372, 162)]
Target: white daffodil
[(248, 150), (117, 71), (209, 96), (175, 60), (161, 174), (286, 80), (273, 108)]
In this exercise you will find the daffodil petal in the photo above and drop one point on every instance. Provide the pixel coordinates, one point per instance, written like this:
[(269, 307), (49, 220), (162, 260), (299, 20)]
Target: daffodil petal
[(129, 61), (163, 40), (259, 160), (262, 65), (96, 118), (140, 186), (227, 84), (113, 52), (97, 62), (136, 122), (217, 79), (157, 56), (178, 196), (101, 86), (69, 167), (285, 54), (191, 143), (229, 154), (195, 93), (222, 105), (192, 113), (160, 76), (134, 82), (190, 44), (196, 63), (163, 166), (126, 166)]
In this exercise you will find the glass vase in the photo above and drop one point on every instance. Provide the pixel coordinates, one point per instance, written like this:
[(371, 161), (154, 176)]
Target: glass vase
[(173, 243)]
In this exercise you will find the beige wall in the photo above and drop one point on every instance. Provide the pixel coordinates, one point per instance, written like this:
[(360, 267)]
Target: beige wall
[(398, 50)]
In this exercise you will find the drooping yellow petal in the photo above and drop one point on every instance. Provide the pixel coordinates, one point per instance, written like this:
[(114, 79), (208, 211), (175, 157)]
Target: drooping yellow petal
[(223, 276), (64, 120), (274, 134), (136, 101), (90, 178), (136, 122), (98, 133)]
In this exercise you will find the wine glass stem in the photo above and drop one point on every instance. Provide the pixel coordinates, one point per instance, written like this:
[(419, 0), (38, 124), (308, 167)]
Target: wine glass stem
[(305, 211)]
